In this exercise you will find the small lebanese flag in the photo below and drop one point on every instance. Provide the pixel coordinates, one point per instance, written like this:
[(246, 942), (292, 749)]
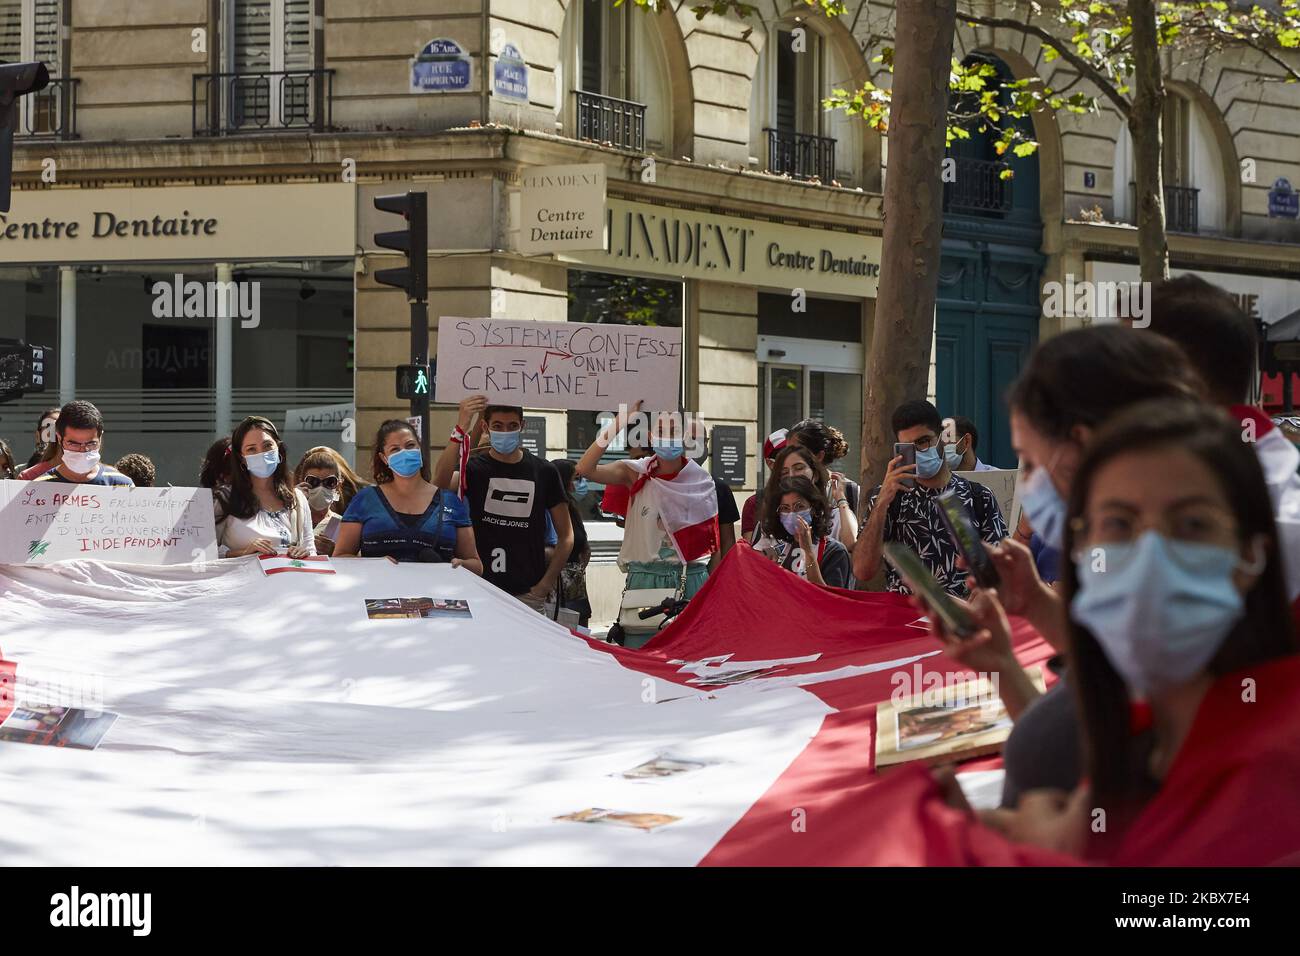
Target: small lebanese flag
[(687, 504), (278, 563)]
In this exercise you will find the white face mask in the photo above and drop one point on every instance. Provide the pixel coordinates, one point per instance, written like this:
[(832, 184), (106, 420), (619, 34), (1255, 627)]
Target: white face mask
[(321, 497), (81, 462)]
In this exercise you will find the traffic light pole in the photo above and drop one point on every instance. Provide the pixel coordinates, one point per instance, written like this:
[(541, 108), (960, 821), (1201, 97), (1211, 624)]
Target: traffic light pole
[(420, 357)]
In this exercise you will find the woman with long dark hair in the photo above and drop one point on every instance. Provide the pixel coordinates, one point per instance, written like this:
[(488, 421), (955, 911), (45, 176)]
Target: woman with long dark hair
[(1177, 599), (828, 445), (796, 533), (403, 515), (214, 470), (261, 512)]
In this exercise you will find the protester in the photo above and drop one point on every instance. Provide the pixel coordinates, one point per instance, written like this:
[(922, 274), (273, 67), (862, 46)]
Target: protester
[(8, 470), (749, 514), (672, 516), (829, 445), (48, 453), (317, 477), (214, 470), (80, 433), (1220, 341), (510, 491), (573, 576), (1072, 384), (403, 516), (797, 461), (139, 468), (44, 436), (1177, 597), (961, 454), (796, 532), (260, 512), (911, 516), (349, 481)]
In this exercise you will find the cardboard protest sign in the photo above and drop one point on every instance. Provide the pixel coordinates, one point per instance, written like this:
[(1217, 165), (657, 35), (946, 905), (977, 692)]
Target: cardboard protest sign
[(46, 521), (572, 365)]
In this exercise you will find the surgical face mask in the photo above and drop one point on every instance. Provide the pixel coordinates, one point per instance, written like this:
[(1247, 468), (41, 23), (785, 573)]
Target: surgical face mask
[(261, 465), (580, 486), (1159, 608), (80, 462), (789, 522), (1045, 508), (928, 462), (406, 462), (505, 443), (953, 457), (668, 450), (321, 498)]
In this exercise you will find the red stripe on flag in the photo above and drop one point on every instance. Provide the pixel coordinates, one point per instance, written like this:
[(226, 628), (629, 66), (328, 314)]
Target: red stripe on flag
[(299, 570), (8, 683), (697, 540)]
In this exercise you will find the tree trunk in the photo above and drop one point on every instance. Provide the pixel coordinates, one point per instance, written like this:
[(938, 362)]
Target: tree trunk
[(898, 365), (1144, 125)]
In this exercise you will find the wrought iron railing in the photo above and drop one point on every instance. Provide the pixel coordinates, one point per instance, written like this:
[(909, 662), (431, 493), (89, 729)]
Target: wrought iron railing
[(977, 187), (262, 102), (800, 155), (1182, 207), (607, 119), (51, 113)]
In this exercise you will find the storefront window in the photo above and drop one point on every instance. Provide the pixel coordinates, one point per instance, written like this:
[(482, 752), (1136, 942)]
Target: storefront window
[(622, 300), (29, 310)]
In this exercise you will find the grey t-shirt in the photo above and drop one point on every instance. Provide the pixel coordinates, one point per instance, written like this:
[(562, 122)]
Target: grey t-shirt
[(1044, 749)]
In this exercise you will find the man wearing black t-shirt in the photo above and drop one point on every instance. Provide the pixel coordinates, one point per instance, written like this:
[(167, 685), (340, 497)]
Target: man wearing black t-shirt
[(509, 491)]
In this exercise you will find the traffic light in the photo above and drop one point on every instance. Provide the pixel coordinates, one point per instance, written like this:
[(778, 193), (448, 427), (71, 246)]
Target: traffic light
[(414, 382), (22, 368), (413, 240), (16, 79)]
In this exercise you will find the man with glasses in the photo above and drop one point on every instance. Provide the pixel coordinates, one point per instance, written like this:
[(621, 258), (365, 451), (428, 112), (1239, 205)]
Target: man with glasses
[(910, 516), (80, 433)]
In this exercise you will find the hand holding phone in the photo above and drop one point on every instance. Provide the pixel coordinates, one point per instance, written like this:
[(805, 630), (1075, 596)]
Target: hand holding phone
[(918, 577), (961, 529)]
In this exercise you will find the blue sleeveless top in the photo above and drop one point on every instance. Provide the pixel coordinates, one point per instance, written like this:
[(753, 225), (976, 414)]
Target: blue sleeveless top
[(385, 533)]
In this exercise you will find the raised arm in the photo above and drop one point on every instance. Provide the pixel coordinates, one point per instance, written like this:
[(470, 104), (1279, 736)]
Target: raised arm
[(444, 469), (614, 473)]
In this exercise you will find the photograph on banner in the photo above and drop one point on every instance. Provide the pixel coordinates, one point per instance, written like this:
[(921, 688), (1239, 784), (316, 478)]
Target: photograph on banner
[(569, 365), (379, 609), (43, 522), (49, 725), (638, 821)]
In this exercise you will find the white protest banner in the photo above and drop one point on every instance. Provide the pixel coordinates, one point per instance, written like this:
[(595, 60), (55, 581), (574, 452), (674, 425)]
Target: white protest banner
[(562, 208), (46, 521), (573, 365)]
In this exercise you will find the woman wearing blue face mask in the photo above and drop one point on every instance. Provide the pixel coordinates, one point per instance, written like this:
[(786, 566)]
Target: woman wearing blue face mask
[(403, 516), (1177, 599), (261, 512), (797, 533)]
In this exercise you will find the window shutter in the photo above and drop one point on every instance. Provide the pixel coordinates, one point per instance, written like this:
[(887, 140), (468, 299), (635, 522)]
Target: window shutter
[(11, 30), (46, 28)]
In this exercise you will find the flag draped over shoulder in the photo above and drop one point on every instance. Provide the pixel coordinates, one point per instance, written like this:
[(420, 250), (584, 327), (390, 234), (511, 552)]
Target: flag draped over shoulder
[(687, 504)]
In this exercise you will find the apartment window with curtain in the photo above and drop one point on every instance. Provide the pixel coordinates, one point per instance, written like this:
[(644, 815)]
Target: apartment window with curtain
[(269, 51), (32, 30), (788, 124)]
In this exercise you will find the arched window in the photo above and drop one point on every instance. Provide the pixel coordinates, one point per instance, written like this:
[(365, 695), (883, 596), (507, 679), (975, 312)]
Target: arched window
[(1191, 164), (790, 131), (613, 78)]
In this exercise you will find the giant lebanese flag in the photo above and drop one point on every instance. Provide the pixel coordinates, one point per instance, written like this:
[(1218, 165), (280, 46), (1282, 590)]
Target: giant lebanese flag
[(687, 504), (266, 720)]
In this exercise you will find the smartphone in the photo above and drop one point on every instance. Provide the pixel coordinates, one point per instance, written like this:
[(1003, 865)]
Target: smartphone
[(961, 528), (908, 451), (918, 577)]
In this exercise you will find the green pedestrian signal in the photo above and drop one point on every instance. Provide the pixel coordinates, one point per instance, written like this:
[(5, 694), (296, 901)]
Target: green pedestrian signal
[(412, 381)]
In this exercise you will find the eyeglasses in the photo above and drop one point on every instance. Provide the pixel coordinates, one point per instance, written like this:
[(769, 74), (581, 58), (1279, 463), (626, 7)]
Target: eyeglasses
[(311, 481), (80, 445), (1198, 525)]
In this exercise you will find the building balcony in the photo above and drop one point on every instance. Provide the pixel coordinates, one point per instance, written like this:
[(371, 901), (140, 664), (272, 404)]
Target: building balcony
[(289, 100), (978, 188), (1182, 208), (50, 113), (800, 155), (607, 119)]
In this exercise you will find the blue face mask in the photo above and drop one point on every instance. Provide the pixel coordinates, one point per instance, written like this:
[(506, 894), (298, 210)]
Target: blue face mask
[(953, 457), (928, 463), (1159, 608), (263, 465), (580, 486), (668, 450), (790, 524), (505, 443), (1045, 508), (406, 462)]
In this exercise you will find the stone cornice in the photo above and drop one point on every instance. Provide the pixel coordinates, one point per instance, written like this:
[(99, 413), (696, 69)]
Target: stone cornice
[(1215, 253)]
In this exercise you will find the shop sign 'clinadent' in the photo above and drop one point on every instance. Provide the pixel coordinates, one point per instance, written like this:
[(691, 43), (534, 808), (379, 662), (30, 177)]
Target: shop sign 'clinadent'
[(679, 242), (212, 223)]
